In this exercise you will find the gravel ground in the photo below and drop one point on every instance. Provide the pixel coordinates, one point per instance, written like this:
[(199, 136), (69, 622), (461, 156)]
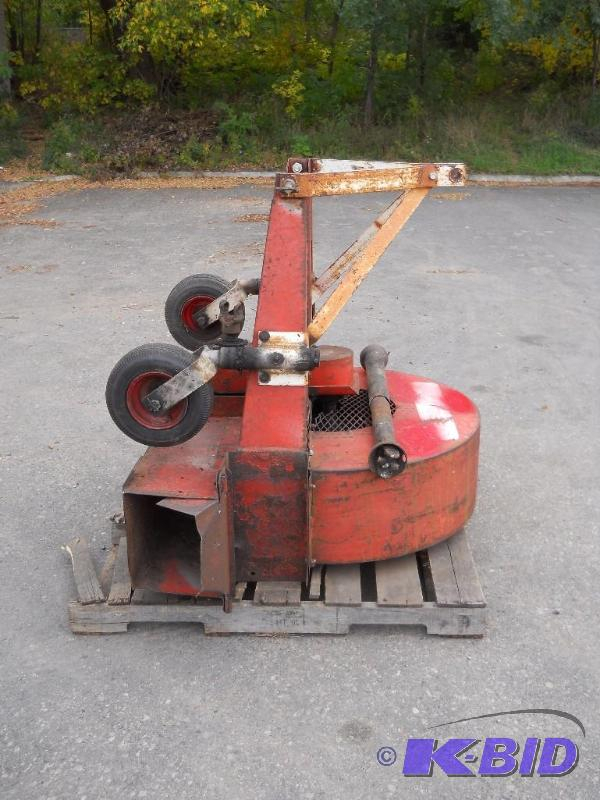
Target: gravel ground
[(494, 291)]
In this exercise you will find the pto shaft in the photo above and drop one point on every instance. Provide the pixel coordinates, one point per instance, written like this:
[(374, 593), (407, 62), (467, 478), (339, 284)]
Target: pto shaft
[(386, 458)]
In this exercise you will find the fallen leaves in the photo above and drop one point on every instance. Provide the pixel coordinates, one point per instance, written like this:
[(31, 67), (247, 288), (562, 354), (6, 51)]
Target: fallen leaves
[(18, 202)]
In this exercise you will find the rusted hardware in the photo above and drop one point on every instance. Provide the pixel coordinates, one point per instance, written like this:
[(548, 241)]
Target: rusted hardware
[(386, 458), (284, 360), (331, 177), (228, 302), (232, 323), (287, 186), (360, 258)]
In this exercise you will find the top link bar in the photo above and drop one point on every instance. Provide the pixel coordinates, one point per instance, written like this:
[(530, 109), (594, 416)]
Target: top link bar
[(313, 177)]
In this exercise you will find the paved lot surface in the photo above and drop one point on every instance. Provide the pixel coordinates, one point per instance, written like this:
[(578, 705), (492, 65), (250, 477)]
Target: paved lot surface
[(494, 291)]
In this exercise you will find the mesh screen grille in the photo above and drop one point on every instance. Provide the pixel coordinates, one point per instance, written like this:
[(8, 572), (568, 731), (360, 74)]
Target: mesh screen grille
[(347, 413)]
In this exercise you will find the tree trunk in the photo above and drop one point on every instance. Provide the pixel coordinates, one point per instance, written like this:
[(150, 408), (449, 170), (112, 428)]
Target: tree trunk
[(22, 32), (113, 30), (90, 22), (372, 68), (335, 26), (38, 29), (308, 12), (595, 61), (4, 68), (423, 53)]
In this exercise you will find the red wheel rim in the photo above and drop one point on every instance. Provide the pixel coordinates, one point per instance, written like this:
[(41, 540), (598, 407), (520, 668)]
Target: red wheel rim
[(190, 308), (139, 388)]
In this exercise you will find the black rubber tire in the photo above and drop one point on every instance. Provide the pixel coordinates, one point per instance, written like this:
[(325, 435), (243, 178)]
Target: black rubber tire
[(193, 286), (163, 358)]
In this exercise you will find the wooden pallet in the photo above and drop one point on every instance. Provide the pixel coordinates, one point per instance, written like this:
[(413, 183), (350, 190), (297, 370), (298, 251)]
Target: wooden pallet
[(438, 589)]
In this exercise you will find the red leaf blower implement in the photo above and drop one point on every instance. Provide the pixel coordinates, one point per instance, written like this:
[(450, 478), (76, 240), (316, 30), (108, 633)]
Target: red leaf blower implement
[(269, 456)]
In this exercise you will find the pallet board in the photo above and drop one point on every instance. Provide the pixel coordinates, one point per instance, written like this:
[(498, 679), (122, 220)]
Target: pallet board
[(438, 589)]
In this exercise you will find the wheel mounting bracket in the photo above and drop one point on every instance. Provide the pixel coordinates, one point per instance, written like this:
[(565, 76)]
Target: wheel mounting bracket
[(173, 391)]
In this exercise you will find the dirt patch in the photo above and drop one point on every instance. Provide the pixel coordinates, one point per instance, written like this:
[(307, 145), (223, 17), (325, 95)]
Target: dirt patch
[(191, 182), (41, 270), (246, 252), (451, 271), (144, 138), (452, 196), (252, 218)]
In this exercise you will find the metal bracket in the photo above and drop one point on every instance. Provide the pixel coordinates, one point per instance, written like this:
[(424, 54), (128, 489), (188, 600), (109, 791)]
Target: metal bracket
[(354, 265), (290, 344), (168, 394), (229, 301), (331, 177)]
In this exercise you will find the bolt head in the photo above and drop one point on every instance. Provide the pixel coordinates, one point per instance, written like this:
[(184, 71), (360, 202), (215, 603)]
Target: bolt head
[(289, 185), (264, 336), (456, 175), (433, 176), (296, 167), (264, 377)]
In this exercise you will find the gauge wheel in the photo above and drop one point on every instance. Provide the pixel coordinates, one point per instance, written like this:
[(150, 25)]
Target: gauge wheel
[(137, 374), (186, 299)]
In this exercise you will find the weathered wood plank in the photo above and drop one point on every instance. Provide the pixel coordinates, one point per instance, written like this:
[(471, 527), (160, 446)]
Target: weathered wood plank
[(117, 527), (342, 585), (459, 609), (86, 580), (444, 579), (398, 582), (469, 588), (308, 617), (106, 573), (92, 627), (314, 587), (240, 588), (277, 593), (120, 590)]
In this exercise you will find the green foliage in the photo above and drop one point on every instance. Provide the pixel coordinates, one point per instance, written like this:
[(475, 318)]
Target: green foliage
[(70, 144), (384, 78), (193, 153), (310, 56), (11, 142), (79, 78), (236, 127), (5, 69), (291, 89), (300, 145)]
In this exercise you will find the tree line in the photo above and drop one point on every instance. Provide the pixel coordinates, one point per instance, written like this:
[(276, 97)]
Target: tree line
[(373, 59)]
